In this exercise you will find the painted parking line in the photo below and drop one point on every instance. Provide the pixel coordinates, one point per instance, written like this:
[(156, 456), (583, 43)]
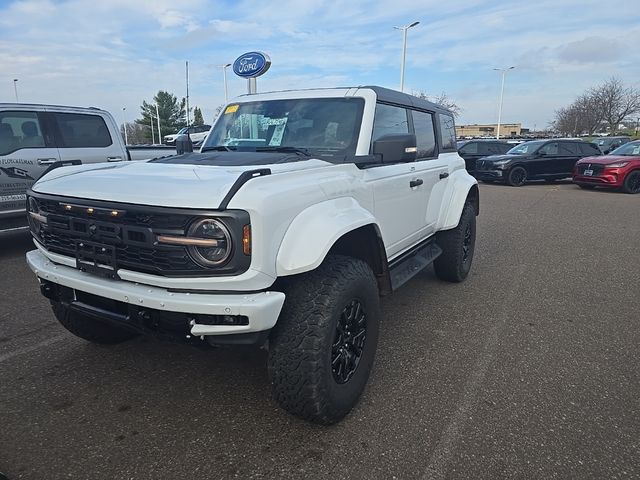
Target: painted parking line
[(31, 348)]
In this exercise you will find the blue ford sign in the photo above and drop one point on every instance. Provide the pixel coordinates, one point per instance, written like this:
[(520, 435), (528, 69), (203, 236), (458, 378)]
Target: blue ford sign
[(252, 64)]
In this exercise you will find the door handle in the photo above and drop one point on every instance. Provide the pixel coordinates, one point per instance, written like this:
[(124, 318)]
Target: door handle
[(416, 182), (114, 159), (46, 161), (444, 175)]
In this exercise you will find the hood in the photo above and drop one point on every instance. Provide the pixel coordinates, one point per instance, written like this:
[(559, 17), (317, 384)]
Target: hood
[(608, 159), (180, 185), (495, 158)]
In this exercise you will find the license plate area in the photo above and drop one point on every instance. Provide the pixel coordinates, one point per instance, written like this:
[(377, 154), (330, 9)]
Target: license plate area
[(588, 173), (96, 258)]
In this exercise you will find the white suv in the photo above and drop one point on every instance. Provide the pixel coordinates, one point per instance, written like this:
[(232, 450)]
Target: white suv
[(197, 133), (301, 209)]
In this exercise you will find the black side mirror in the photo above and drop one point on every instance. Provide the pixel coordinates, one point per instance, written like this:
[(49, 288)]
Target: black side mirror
[(396, 148), (183, 144)]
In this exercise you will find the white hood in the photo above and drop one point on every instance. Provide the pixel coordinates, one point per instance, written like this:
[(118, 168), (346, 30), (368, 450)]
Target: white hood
[(159, 184)]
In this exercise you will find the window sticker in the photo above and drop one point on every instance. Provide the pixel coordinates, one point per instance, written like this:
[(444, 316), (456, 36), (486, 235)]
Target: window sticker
[(231, 109), (278, 132)]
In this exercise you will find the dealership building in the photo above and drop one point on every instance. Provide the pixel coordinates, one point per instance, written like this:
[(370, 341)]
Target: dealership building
[(489, 130)]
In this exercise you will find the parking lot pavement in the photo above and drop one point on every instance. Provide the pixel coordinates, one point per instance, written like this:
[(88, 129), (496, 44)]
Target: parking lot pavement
[(527, 370)]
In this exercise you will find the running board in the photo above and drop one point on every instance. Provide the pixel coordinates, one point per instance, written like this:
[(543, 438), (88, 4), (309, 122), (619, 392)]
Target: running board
[(409, 264)]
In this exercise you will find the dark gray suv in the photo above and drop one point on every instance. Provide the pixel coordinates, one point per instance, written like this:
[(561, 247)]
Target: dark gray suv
[(535, 160)]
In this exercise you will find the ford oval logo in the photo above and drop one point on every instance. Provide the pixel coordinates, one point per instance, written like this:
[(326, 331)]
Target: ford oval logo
[(252, 64)]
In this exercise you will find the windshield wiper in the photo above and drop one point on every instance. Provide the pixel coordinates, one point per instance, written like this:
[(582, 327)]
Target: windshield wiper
[(218, 148), (302, 151)]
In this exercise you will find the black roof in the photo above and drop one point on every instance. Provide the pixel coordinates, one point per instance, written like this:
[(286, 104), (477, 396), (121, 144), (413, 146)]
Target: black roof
[(393, 96)]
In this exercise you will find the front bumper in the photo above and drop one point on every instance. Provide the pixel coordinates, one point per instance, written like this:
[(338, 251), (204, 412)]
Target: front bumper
[(609, 178), (488, 174), (262, 309)]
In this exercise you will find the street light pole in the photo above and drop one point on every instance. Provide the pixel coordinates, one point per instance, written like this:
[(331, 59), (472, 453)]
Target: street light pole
[(504, 73), (124, 125), (15, 89), (224, 77), (153, 138), (404, 51), (158, 118)]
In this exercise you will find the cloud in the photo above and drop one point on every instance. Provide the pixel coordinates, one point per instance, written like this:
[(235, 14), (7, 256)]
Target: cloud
[(592, 50)]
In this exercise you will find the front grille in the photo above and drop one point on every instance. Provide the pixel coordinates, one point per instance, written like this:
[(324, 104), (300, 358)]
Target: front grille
[(597, 169), (156, 260), (131, 231)]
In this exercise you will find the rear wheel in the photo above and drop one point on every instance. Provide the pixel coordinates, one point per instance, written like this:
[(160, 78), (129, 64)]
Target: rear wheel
[(632, 182), (321, 350), (458, 245), (90, 329), (517, 177)]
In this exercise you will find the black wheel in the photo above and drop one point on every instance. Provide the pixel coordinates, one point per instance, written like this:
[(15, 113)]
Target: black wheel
[(322, 348), (89, 328), (517, 177), (457, 246), (586, 187), (632, 182)]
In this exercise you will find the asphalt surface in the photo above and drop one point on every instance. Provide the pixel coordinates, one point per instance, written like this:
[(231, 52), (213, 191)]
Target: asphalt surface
[(529, 369)]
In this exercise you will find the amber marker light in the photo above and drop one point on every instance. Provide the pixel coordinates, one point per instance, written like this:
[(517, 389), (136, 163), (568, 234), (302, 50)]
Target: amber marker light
[(114, 213), (246, 239), (68, 207), (89, 210)]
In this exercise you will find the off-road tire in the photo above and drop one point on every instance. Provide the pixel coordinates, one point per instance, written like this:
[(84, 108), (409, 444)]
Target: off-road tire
[(517, 176), (89, 328), (632, 182), (300, 346), (586, 186), (453, 265)]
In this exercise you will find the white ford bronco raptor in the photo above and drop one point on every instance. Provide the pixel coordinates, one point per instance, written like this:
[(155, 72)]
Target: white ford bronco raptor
[(300, 210)]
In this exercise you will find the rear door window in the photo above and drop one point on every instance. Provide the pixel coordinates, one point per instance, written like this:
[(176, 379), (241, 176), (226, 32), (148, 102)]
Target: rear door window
[(470, 148), (568, 149), (20, 130), (82, 131), (549, 149), (589, 149), (425, 134), (447, 132)]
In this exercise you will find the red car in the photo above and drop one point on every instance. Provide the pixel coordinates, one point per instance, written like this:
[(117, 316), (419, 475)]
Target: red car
[(619, 169)]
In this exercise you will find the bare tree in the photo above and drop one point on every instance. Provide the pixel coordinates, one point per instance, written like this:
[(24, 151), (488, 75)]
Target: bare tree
[(442, 99), (617, 101)]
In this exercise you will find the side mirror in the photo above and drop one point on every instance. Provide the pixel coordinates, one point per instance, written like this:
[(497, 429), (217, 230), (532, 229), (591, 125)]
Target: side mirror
[(396, 148), (183, 144)]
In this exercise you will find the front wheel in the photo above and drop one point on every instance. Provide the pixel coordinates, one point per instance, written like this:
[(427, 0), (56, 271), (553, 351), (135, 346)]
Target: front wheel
[(517, 176), (321, 350), (632, 182), (458, 246)]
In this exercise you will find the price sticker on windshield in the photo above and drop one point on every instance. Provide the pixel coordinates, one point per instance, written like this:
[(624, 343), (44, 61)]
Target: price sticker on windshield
[(231, 109)]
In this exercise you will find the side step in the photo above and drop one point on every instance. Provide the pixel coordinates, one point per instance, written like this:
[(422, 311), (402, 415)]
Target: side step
[(410, 263)]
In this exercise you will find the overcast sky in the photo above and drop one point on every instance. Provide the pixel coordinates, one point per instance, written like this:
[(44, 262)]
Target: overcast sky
[(115, 53)]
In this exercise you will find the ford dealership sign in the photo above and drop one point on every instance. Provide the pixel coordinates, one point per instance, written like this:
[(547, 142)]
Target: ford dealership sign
[(252, 64)]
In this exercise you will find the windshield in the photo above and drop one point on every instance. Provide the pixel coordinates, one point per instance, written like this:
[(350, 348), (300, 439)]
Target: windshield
[(324, 127), (524, 148), (627, 149)]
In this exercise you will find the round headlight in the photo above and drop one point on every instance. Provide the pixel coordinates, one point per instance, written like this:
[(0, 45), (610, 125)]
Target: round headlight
[(219, 251)]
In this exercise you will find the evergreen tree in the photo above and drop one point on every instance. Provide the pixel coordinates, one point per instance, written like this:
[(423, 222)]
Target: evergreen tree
[(172, 114), (198, 119)]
